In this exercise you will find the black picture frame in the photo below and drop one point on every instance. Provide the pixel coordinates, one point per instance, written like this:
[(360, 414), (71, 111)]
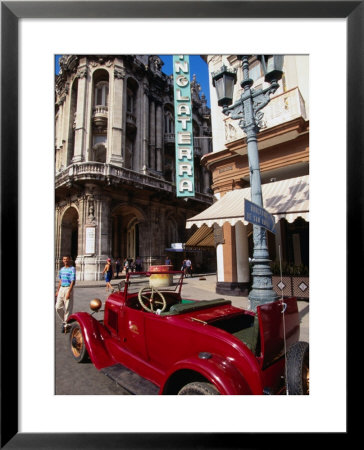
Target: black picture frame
[(11, 12)]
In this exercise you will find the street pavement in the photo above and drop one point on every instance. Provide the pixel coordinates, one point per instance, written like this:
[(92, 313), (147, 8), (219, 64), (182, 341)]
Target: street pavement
[(72, 378)]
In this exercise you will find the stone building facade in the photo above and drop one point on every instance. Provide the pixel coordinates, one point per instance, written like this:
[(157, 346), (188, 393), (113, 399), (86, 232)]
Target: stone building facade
[(115, 161), (283, 144)]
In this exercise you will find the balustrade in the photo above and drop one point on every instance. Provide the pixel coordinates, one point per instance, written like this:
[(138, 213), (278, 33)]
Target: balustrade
[(130, 121), (99, 115), (101, 171), (169, 138), (282, 108), (100, 110)]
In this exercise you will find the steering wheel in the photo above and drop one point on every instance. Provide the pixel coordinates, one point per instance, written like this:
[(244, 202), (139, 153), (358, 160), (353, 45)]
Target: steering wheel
[(150, 299)]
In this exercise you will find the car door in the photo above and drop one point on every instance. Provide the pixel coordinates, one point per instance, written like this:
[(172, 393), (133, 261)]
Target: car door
[(166, 341), (134, 332)]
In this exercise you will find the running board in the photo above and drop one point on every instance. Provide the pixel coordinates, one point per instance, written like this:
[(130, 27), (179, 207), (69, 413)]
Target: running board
[(130, 381)]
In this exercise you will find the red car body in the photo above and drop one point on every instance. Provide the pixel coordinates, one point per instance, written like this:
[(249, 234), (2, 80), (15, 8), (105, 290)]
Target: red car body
[(235, 350)]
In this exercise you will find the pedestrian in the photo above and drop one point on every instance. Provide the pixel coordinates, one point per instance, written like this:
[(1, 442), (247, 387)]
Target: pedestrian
[(108, 272), (117, 267), (138, 264), (183, 267), (188, 267), (64, 293), (167, 261), (126, 265), (131, 265)]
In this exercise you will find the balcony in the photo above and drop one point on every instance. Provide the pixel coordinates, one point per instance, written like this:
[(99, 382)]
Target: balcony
[(281, 109), (114, 175), (131, 124), (99, 116), (169, 138), (94, 171)]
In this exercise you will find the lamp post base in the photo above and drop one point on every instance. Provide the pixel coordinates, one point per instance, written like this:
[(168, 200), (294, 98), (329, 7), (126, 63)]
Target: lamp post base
[(258, 297)]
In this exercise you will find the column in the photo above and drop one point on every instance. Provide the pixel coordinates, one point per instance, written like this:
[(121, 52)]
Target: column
[(80, 130), (230, 282), (152, 135), (229, 253), (220, 263), (82, 217), (66, 105), (159, 137), (103, 239), (205, 180), (279, 242), (242, 254), (145, 143), (116, 114)]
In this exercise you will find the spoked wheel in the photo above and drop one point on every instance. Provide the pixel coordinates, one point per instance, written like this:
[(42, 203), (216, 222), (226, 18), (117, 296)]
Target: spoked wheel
[(150, 298), (77, 343), (199, 388)]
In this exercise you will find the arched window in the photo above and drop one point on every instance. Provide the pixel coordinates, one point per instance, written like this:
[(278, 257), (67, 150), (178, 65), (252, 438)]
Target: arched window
[(168, 122), (101, 97), (130, 101), (99, 153)]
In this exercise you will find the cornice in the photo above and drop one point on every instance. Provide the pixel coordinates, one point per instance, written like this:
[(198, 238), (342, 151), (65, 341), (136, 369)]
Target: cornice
[(298, 125)]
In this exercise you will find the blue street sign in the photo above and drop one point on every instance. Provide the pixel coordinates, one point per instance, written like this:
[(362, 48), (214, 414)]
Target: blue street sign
[(258, 216)]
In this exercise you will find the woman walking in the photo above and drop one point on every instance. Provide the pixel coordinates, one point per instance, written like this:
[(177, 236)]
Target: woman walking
[(108, 275)]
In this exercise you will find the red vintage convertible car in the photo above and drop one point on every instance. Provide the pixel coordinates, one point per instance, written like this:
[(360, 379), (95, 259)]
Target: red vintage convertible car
[(151, 340)]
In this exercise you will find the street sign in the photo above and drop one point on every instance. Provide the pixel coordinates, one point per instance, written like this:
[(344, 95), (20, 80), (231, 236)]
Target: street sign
[(185, 184), (258, 216)]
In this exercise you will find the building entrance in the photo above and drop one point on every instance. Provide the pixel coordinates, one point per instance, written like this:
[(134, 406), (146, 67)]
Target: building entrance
[(69, 234), (125, 232)]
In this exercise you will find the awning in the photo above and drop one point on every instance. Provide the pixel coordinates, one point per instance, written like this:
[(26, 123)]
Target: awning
[(286, 199), (203, 237)]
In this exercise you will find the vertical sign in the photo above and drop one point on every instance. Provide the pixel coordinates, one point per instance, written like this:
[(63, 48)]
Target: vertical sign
[(90, 240), (185, 184)]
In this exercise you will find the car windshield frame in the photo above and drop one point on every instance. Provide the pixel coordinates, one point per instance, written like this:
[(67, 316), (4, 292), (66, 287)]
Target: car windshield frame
[(134, 281)]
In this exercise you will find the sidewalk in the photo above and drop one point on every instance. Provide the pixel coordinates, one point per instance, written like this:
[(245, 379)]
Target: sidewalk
[(203, 287), (199, 287)]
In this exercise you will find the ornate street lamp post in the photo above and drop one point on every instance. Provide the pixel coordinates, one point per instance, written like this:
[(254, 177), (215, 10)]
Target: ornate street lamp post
[(248, 111)]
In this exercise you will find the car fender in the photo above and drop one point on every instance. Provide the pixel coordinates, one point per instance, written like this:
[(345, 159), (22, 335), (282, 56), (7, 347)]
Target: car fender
[(218, 370), (94, 334)]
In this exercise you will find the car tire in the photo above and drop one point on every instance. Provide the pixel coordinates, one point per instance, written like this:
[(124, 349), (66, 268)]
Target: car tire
[(77, 343), (199, 388), (298, 369)]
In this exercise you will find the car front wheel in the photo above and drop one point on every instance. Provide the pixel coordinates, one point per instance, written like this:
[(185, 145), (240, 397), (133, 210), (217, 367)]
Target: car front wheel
[(199, 388), (77, 342)]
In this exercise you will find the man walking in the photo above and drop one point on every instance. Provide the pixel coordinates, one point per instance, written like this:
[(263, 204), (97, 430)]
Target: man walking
[(64, 294), (188, 267)]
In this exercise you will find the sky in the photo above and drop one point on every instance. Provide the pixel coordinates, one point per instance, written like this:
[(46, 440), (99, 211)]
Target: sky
[(197, 67)]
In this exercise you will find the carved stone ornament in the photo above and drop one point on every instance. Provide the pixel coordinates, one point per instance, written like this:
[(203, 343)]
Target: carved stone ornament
[(230, 131), (61, 99), (82, 73), (91, 211), (119, 73)]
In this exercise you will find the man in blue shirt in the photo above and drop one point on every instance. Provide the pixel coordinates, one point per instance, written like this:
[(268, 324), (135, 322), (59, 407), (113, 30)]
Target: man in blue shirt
[(64, 294)]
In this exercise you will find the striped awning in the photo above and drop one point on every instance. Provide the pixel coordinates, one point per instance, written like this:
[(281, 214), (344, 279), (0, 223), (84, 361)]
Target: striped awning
[(202, 237), (285, 199)]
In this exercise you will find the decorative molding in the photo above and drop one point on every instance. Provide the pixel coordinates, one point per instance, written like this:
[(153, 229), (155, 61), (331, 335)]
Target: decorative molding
[(82, 73), (119, 73)]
